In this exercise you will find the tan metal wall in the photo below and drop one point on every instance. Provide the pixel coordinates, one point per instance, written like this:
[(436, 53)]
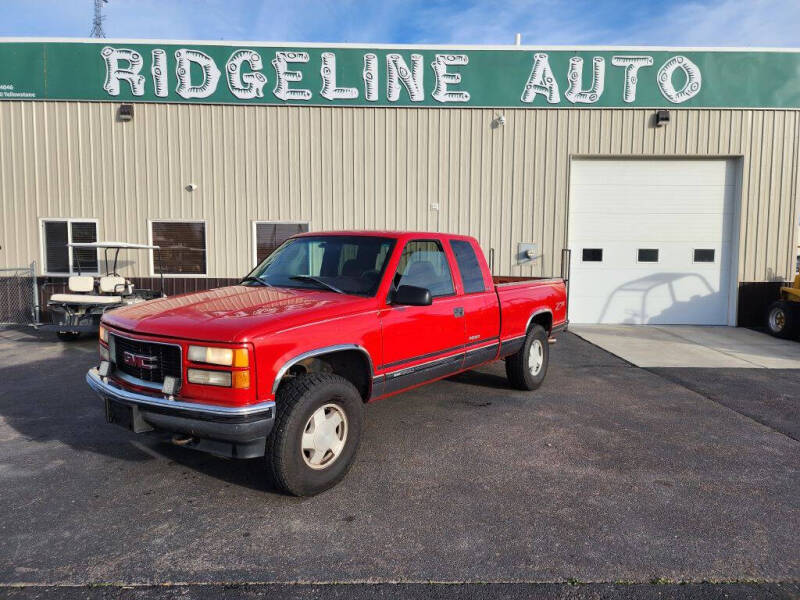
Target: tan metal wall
[(366, 168)]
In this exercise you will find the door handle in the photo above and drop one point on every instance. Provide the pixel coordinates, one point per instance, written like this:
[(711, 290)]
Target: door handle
[(458, 311)]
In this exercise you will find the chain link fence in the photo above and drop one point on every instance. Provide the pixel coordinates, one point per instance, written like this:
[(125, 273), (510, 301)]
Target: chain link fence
[(19, 296)]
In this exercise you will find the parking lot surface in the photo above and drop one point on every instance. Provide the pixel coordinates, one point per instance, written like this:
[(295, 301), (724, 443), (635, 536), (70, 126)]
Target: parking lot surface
[(609, 473)]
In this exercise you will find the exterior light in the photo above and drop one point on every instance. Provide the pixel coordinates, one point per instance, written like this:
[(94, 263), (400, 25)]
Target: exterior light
[(171, 385), (662, 117), (104, 369), (203, 377), (125, 113), (226, 357)]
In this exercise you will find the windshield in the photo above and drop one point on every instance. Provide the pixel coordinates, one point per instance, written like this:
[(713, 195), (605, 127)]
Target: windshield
[(344, 264)]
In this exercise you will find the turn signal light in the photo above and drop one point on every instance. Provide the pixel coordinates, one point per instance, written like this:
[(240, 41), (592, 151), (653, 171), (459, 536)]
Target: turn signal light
[(241, 380), (103, 334)]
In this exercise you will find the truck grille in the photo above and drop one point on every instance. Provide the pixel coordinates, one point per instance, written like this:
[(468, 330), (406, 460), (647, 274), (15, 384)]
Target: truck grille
[(148, 361)]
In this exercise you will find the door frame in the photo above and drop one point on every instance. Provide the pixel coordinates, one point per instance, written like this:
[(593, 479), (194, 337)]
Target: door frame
[(736, 216)]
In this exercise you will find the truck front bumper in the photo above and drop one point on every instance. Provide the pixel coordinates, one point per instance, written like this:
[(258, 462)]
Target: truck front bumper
[(236, 432)]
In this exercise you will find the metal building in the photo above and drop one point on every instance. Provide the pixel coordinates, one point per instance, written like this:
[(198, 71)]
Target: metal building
[(670, 174)]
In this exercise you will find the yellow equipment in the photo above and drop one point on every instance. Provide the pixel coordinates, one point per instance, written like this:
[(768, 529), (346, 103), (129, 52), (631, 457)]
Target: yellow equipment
[(783, 317)]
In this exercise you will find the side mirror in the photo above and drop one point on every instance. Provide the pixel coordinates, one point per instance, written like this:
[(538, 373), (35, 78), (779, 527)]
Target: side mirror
[(411, 295)]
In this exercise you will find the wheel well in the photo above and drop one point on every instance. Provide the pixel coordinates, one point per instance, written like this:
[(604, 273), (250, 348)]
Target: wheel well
[(545, 319), (353, 365)]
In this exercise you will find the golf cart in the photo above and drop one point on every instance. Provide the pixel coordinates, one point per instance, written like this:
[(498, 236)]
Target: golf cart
[(783, 317), (88, 297)]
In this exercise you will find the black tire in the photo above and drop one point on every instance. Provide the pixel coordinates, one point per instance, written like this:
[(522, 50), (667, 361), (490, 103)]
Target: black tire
[(782, 319), (297, 401), (518, 371), (68, 336)]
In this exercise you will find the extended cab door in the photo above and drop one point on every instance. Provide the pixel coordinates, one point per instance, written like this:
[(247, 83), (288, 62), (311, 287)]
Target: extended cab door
[(480, 302), (421, 343)]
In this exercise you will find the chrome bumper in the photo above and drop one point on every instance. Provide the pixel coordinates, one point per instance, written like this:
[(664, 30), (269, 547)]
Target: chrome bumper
[(238, 432)]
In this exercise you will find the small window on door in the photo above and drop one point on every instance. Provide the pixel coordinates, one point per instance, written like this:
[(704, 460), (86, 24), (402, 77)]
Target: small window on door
[(704, 255), (467, 260), (592, 255), (647, 255), (423, 263), (62, 259), (269, 236)]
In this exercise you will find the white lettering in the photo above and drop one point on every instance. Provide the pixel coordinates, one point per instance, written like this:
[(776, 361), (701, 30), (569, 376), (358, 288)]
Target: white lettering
[(115, 74), (371, 77), (574, 93), (397, 72), (329, 89), (444, 78), (183, 70), (690, 87), (541, 81), (632, 65), (245, 86), (283, 76), (159, 72)]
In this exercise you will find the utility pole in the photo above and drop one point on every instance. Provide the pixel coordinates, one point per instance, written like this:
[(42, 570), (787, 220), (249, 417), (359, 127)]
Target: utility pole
[(97, 22)]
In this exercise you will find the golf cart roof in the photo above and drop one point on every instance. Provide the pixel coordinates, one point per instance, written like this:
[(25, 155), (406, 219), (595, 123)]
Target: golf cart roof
[(113, 245)]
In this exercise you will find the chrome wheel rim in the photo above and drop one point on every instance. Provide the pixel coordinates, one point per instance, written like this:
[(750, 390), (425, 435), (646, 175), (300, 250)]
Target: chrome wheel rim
[(535, 357), (777, 319), (324, 436)]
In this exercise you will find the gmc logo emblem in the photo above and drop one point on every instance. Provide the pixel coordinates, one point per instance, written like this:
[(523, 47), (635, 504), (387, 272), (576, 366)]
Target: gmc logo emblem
[(140, 361)]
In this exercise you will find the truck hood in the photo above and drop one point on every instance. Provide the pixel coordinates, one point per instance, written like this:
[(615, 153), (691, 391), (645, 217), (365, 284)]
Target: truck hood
[(234, 314)]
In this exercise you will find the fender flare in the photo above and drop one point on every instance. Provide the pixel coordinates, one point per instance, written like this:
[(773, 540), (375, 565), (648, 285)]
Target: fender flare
[(318, 352), (535, 314)]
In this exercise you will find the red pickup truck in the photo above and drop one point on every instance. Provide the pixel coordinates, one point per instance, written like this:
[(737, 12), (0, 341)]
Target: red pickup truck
[(280, 365)]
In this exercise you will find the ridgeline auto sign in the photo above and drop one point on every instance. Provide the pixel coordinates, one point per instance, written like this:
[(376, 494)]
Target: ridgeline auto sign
[(106, 70)]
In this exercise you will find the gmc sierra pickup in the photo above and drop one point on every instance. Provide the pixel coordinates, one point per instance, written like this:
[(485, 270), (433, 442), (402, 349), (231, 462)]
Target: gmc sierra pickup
[(280, 365)]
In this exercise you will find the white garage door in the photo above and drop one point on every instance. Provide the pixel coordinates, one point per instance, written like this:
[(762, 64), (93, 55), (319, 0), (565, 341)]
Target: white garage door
[(651, 241)]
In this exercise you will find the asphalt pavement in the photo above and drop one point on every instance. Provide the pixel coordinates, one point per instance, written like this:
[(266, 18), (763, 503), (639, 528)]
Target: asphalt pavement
[(610, 481)]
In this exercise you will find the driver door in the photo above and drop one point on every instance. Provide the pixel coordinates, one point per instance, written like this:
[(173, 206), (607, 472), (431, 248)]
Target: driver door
[(421, 343)]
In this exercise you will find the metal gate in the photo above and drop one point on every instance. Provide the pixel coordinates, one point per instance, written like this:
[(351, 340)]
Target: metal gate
[(19, 296)]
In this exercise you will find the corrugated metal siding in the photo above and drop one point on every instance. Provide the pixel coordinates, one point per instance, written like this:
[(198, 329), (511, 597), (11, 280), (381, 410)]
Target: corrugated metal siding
[(366, 168)]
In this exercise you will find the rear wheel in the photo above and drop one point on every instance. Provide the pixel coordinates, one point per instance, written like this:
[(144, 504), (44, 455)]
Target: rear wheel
[(316, 434), (527, 368), (68, 336), (782, 319)]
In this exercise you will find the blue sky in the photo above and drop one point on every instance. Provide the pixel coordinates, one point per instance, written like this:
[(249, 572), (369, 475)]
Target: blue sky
[(541, 22)]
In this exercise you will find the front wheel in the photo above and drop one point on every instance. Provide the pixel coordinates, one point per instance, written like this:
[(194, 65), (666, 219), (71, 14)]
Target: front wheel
[(316, 435), (527, 368), (781, 319)]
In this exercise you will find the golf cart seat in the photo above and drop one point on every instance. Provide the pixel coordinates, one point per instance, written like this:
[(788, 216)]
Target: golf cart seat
[(114, 284), (87, 299)]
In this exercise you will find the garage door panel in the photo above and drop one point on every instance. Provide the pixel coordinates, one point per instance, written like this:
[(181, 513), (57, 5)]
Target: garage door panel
[(621, 206), (689, 173), (654, 199), (666, 227)]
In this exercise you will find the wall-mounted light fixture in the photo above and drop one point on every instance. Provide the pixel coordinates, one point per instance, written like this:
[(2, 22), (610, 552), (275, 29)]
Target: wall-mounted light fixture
[(125, 113), (191, 187), (498, 121), (662, 117)]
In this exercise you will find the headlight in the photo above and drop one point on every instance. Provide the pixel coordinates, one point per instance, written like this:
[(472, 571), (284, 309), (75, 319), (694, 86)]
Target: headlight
[(202, 377), (103, 334), (225, 357)]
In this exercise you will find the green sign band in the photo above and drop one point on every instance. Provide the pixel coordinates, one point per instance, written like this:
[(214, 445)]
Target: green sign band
[(107, 70)]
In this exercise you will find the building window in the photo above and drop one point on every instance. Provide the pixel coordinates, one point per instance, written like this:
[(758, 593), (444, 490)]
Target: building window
[(704, 255), (268, 236), (58, 257), (182, 247), (592, 255), (647, 255), (471, 274)]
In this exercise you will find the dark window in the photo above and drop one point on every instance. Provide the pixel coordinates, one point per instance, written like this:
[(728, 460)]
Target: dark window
[(424, 264), (182, 248), (705, 255), (271, 235), (647, 255), (58, 255), (592, 255), (471, 274), (352, 264)]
